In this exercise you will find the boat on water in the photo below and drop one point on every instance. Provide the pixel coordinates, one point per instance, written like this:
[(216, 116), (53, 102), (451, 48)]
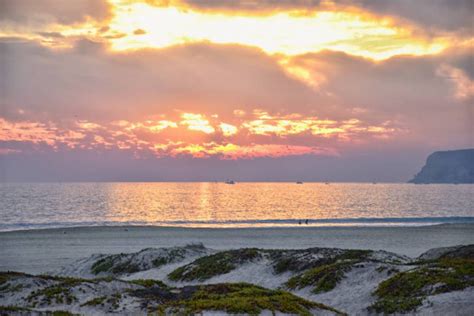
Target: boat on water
[(230, 182)]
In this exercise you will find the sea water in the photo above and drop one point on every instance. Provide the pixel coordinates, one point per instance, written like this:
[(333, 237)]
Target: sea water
[(44, 205)]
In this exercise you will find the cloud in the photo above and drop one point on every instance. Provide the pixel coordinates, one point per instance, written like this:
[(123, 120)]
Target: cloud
[(342, 29), (158, 103), (449, 15), (33, 13), (88, 81), (184, 137), (463, 85), (249, 6), (139, 32)]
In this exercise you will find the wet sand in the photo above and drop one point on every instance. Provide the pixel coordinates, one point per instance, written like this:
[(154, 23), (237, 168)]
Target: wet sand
[(38, 251)]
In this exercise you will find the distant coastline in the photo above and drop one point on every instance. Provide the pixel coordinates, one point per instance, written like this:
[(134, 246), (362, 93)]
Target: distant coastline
[(453, 166)]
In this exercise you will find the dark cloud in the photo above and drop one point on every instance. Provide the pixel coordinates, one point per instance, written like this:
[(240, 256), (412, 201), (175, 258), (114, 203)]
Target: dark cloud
[(41, 12), (88, 81), (449, 15)]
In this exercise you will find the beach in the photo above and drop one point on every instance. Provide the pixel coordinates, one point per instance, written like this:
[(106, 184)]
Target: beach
[(290, 270), (39, 251)]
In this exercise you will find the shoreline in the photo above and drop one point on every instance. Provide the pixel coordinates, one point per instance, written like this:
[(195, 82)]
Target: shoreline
[(269, 226), (257, 224)]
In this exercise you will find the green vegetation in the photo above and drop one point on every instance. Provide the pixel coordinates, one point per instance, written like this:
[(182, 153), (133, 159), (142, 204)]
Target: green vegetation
[(358, 255), (296, 261), (209, 266), (102, 265), (323, 278), (284, 262), (7, 287), (171, 256), (327, 273), (67, 281), (57, 293), (406, 290), (116, 264), (114, 300), (148, 283), (242, 298), (8, 275), (95, 301), (126, 263), (5, 310), (161, 261), (389, 270)]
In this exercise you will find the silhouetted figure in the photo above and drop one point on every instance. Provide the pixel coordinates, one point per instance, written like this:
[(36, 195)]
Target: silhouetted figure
[(299, 222), (306, 222)]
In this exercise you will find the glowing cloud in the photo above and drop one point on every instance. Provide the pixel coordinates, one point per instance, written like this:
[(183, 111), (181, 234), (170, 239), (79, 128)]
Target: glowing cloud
[(38, 133), (196, 122), (288, 32), (145, 137), (295, 124), (228, 129)]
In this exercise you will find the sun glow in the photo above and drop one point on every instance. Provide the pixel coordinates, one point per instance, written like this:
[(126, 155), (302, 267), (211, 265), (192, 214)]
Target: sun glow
[(284, 32), (228, 129), (196, 122), (172, 138)]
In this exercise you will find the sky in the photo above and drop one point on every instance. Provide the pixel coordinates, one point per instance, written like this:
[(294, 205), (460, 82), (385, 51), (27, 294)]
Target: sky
[(202, 90)]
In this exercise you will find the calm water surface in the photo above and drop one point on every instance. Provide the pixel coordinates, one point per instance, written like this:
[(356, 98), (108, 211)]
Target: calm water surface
[(38, 205)]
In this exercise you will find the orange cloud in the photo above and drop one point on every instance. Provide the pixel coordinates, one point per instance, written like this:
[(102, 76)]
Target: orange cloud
[(151, 136), (196, 122), (37, 133), (295, 124), (339, 28), (228, 129)]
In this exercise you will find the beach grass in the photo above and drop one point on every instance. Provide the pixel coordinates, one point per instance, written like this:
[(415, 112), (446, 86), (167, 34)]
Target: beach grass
[(405, 291)]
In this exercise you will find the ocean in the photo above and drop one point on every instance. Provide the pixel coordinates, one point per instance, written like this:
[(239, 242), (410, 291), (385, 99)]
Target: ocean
[(217, 205)]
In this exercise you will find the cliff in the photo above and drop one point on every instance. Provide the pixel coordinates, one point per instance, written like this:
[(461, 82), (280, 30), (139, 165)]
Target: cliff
[(455, 166)]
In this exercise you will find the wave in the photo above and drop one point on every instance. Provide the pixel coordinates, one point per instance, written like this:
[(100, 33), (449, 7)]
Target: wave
[(329, 222)]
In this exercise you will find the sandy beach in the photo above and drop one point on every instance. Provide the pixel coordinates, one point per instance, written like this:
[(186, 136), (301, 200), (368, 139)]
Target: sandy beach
[(307, 270), (39, 251)]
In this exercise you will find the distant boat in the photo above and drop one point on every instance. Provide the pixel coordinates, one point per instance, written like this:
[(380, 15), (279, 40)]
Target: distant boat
[(299, 182), (230, 182)]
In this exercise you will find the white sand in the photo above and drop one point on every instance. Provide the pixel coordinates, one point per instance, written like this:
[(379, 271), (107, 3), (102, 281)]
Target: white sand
[(39, 251), (459, 303)]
